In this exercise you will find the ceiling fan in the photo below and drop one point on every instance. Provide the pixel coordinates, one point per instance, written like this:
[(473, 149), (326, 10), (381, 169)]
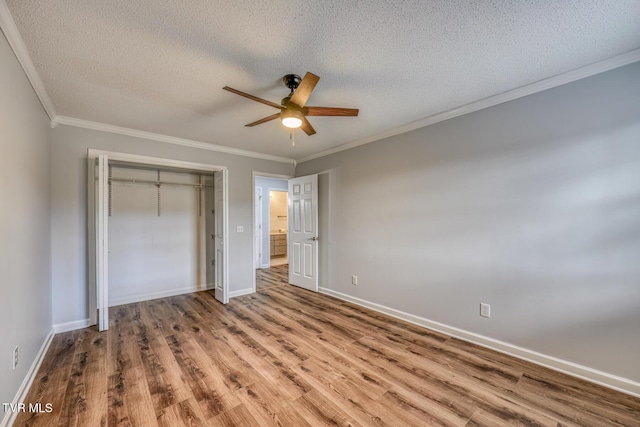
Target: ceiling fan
[(292, 107)]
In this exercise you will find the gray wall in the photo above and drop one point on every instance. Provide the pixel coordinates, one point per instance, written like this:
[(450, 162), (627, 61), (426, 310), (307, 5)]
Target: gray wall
[(25, 242), (532, 206), (69, 216), (268, 184)]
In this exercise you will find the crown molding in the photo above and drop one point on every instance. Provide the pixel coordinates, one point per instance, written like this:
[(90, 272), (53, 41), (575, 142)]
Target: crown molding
[(8, 26), (86, 124), (539, 86)]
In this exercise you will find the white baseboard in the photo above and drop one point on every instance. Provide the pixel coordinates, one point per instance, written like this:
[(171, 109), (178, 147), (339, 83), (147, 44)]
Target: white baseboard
[(72, 326), (155, 295), (10, 417), (241, 292), (602, 378)]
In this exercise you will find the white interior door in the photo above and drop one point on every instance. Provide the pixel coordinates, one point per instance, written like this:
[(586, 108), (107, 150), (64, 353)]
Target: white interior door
[(209, 237), (220, 233), (102, 242), (303, 232)]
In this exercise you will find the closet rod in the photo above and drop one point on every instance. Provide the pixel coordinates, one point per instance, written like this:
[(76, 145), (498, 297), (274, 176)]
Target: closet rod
[(142, 181)]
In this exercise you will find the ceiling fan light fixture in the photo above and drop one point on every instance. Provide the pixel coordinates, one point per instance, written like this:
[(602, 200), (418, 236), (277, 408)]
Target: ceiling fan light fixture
[(291, 118)]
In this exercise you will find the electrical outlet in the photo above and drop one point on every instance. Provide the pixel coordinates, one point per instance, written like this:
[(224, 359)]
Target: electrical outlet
[(240, 229), (485, 310), (14, 358), (354, 280)]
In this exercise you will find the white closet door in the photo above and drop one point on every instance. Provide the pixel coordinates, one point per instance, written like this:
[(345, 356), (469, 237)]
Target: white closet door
[(219, 187)]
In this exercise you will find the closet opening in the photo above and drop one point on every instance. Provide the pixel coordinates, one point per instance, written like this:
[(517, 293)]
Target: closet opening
[(158, 218), (160, 229)]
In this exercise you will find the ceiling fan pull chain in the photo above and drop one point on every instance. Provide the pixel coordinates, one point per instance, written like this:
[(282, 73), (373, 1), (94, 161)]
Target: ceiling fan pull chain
[(293, 141)]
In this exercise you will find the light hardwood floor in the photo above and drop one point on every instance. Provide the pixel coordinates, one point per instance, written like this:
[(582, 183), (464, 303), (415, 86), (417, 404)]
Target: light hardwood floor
[(288, 357)]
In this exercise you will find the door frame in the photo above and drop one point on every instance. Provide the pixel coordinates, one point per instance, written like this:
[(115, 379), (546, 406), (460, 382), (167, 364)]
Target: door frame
[(92, 222), (257, 221), (254, 175)]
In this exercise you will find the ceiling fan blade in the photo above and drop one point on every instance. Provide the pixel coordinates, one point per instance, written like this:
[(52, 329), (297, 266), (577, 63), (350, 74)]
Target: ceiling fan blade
[(264, 120), (254, 98), (303, 92), (331, 111), (306, 127)]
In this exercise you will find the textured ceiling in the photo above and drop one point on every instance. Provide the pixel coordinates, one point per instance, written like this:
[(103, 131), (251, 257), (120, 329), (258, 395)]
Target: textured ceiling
[(159, 66)]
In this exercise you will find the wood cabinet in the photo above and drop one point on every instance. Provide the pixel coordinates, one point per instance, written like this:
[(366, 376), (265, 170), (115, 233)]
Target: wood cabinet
[(278, 245)]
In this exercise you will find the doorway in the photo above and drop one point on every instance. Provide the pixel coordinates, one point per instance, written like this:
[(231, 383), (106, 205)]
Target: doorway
[(298, 225), (209, 244), (264, 184), (278, 227)]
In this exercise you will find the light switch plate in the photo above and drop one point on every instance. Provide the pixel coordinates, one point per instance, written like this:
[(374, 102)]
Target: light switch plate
[(485, 310)]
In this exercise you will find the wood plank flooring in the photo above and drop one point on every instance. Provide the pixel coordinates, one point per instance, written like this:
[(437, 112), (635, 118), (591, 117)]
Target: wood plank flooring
[(288, 357)]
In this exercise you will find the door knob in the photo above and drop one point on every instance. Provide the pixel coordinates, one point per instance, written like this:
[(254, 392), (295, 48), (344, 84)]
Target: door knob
[(314, 238)]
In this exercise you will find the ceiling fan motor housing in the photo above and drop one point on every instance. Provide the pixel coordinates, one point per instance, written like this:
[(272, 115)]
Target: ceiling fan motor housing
[(291, 81), (285, 100)]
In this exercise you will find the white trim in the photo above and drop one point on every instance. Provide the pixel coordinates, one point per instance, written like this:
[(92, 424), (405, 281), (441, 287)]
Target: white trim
[(268, 265), (160, 294), (257, 174), (241, 292), (598, 377), (225, 236), (155, 161), (539, 86), (92, 231), (10, 417), (14, 38), (102, 241), (86, 124), (257, 224), (72, 326)]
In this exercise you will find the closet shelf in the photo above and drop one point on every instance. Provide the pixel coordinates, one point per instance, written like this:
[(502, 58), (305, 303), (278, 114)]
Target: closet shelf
[(159, 183)]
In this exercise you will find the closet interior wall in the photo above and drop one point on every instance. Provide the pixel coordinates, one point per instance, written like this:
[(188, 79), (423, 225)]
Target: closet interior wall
[(159, 220)]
